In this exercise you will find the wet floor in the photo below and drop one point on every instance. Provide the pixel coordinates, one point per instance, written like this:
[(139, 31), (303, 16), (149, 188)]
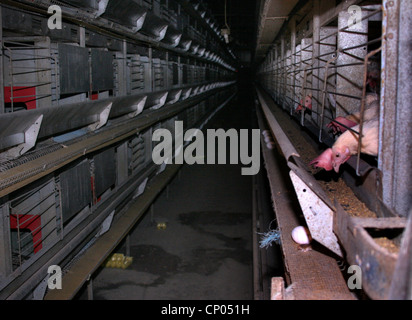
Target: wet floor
[(205, 250)]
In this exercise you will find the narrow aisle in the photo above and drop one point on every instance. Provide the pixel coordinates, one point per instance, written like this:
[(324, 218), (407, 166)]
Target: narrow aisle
[(205, 251)]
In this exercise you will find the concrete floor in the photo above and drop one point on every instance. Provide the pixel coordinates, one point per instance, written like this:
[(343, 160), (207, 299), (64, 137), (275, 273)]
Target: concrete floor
[(205, 252)]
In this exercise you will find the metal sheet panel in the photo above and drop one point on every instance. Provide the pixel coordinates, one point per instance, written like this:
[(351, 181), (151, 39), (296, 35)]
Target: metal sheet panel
[(327, 45), (127, 13), (122, 164), (69, 117), (74, 69), (153, 26), (104, 171), (395, 151), (102, 70), (350, 72), (318, 215), (13, 128), (75, 190)]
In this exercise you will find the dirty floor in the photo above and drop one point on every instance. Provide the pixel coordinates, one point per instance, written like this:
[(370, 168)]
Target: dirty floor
[(205, 250)]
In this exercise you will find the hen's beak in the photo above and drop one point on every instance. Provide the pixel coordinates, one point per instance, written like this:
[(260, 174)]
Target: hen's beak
[(336, 167)]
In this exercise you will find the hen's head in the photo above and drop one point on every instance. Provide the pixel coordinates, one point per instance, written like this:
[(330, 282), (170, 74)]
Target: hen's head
[(308, 101), (324, 160), (340, 154)]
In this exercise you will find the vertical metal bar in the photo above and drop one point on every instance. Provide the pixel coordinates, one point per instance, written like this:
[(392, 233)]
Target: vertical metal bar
[(288, 78), (305, 72), (325, 81), (325, 53), (1, 64), (43, 73), (56, 78), (167, 84), (278, 74), (18, 238), (293, 57), (5, 243), (283, 66), (316, 62), (90, 75), (395, 116), (151, 71), (11, 80), (179, 71), (387, 99), (82, 37), (303, 93), (403, 198), (349, 78)]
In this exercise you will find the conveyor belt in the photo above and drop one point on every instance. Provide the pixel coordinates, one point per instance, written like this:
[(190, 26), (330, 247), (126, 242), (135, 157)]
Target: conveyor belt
[(314, 275)]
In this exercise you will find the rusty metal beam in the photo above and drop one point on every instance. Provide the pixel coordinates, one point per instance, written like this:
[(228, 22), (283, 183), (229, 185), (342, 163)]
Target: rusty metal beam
[(377, 263), (312, 275), (401, 286)]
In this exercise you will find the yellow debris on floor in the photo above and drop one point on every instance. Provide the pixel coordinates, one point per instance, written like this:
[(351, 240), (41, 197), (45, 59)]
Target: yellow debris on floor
[(161, 226), (118, 260)]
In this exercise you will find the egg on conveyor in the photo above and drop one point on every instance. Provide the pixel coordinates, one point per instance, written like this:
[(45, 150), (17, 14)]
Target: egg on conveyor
[(301, 235), (265, 133), (267, 138), (270, 145)]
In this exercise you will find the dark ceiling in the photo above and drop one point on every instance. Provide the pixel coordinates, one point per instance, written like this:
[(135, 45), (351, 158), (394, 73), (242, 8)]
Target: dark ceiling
[(241, 19)]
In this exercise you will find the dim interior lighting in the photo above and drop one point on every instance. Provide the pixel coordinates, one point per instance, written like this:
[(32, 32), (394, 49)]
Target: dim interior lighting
[(226, 30), (225, 34)]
